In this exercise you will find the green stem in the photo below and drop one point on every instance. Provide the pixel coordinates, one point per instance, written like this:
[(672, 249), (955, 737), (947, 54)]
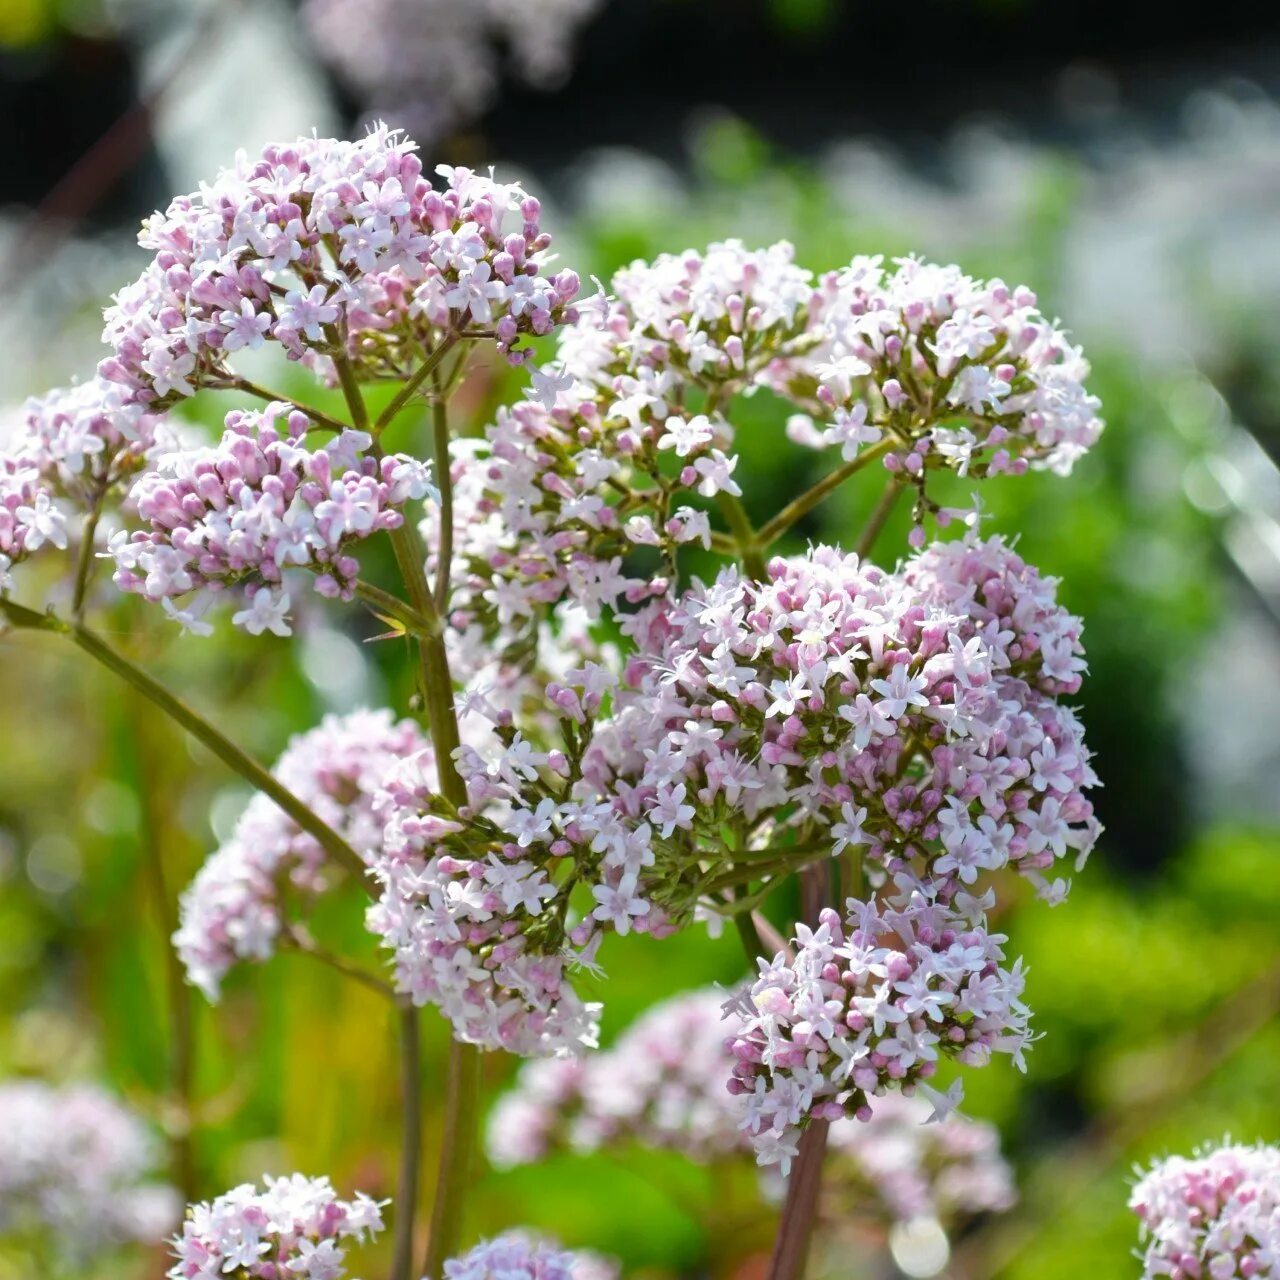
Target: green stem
[(436, 681), (456, 1155), (84, 560), (351, 391), (390, 606), (444, 482), (300, 940), (745, 537), (410, 388), (801, 506), (199, 728), (411, 1143), (318, 416), (879, 515)]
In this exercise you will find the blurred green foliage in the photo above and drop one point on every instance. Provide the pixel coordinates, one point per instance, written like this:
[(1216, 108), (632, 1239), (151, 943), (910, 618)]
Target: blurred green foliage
[(1155, 985)]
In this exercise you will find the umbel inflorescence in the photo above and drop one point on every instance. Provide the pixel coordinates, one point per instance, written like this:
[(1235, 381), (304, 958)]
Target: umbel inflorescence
[(1214, 1216), (611, 743)]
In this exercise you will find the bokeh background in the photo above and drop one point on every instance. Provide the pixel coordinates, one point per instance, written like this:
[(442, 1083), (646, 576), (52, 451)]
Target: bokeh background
[(1122, 160)]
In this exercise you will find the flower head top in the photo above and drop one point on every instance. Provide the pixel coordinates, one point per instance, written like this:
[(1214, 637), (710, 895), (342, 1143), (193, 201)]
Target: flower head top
[(1215, 1216), (74, 1166), (294, 1226), (622, 438), (950, 371), (240, 513), (330, 248), (235, 908)]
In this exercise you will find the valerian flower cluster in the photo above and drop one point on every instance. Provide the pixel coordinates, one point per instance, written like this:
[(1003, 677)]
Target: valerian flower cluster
[(662, 1084), (241, 513), (329, 248), (1214, 1216), (75, 1171), (66, 453), (294, 1226), (613, 745)]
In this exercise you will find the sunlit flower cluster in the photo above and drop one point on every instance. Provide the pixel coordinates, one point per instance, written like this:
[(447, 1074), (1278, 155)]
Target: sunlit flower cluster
[(624, 435), (74, 1170), (951, 371), (473, 906), (1215, 1216), (294, 1226), (909, 716), (330, 249), (868, 1004), (238, 904), (66, 452), (620, 438), (431, 65), (259, 503)]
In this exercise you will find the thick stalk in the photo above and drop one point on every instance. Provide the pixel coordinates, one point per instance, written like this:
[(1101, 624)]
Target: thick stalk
[(795, 1230), (747, 541), (463, 1086), (411, 1143), (456, 1154), (801, 506), (199, 728), (444, 480), (436, 682)]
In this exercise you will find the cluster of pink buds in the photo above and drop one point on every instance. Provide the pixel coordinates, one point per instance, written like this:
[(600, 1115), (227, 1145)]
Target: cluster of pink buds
[(235, 908), (331, 249), (473, 910), (1215, 1216), (294, 1226), (258, 503), (869, 1004)]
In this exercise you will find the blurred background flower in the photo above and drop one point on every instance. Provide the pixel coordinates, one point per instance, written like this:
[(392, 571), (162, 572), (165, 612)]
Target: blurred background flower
[(1122, 159)]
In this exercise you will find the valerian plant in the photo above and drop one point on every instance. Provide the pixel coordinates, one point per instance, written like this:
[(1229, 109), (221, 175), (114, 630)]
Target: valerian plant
[(602, 743)]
